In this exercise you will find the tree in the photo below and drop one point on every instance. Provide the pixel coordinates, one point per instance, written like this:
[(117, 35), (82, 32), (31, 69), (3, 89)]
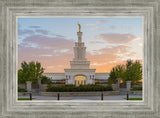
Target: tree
[(116, 72), (45, 80), (133, 71), (137, 67), (20, 76), (119, 69), (30, 72), (112, 76)]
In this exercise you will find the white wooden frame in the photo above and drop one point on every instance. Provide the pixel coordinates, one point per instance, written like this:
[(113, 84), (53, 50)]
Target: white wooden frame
[(10, 107)]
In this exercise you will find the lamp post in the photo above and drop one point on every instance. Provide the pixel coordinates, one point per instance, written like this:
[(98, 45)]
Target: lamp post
[(58, 96), (30, 95), (127, 96), (102, 94)]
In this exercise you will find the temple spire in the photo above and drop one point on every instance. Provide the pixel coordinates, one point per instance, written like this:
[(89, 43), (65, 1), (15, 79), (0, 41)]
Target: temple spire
[(79, 34), (79, 60)]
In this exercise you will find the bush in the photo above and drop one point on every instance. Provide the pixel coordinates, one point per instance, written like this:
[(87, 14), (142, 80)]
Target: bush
[(136, 89), (81, 88), (45, 80), (22, 90)]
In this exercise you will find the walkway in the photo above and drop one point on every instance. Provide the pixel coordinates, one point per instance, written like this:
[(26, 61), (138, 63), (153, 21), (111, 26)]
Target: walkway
[(117, 97)]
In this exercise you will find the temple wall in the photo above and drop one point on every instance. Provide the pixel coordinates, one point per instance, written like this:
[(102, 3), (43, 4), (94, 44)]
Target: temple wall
[(101, 75)]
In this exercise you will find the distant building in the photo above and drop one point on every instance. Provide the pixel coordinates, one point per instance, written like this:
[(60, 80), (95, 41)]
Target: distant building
[(80, 72)]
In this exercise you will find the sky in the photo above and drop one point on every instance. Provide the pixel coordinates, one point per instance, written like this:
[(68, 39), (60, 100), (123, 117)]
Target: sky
[(109, 41)]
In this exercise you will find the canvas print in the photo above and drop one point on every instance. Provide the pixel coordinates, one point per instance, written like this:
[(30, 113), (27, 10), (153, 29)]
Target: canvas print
[(80, 58)]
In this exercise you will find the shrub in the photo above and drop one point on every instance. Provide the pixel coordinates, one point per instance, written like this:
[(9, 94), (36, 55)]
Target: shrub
[(81, 88), (22, 90), (45, 80)]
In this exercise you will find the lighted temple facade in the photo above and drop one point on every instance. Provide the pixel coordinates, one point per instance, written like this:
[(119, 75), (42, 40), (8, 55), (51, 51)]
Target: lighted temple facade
[(80, 72)]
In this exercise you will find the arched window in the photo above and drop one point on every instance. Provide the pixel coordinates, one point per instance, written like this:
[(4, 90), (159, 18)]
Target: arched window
[(80, 79)]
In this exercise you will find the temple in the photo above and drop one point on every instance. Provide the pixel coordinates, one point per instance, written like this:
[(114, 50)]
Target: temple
[(79, 72)]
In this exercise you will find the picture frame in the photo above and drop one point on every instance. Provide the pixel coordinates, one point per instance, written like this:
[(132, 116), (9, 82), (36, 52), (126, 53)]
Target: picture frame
[(10, 107)]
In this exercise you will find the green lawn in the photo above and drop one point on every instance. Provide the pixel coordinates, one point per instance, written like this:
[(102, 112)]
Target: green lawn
[(25, 98), (134, 98)]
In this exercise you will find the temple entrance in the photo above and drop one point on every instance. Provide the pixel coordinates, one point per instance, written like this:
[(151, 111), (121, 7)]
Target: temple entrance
[(80, 80)]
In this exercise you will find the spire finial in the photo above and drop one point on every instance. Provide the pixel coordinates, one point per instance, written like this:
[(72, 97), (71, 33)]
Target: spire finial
[(79, 27)]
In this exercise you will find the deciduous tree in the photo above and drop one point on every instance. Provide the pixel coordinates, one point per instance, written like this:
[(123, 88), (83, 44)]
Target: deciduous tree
[(30, 72), (131, 71), (116, 72)]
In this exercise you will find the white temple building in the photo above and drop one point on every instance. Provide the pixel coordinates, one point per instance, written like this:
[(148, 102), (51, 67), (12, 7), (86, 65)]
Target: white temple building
[(79, 71)]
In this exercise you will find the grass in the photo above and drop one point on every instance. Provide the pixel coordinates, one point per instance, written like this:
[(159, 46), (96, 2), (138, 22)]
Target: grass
[(25, 98), (134, 98)]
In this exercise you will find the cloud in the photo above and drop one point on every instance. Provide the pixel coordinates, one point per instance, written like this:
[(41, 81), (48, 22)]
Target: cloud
[(97, 42), (91, 24), (50, 59), (112, 52), (118, 38), (35, 27), (49, 51), (112, 27), (47, 42), (41, 31), (25, 32), (97, 22), (105, 54), (98, 64), (60, 36), (101, 21), (116, 49), (104, 59), (55, 54), (45, 55), (140, 44), (94, 28), (94, 25), (56, 59)]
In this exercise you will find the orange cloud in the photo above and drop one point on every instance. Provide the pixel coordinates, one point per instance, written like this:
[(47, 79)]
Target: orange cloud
[(109, 57), (55, 54), (51, 52), (118, 38)]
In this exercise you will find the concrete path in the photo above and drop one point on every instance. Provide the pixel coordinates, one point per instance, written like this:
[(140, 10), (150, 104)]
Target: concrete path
[(117, 97)]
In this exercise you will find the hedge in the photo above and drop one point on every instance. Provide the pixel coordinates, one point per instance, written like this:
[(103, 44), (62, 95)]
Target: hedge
[(81, 88), (22, 90), (136, 89)]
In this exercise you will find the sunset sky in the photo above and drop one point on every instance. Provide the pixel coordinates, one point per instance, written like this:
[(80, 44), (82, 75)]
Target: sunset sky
[(109, 41)]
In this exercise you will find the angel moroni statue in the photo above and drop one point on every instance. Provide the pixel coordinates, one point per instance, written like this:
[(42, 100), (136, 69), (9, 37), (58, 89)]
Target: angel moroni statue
[(79, 27)]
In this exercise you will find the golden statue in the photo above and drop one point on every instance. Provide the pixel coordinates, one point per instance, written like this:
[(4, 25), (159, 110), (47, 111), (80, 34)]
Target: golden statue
[(79, 27)]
